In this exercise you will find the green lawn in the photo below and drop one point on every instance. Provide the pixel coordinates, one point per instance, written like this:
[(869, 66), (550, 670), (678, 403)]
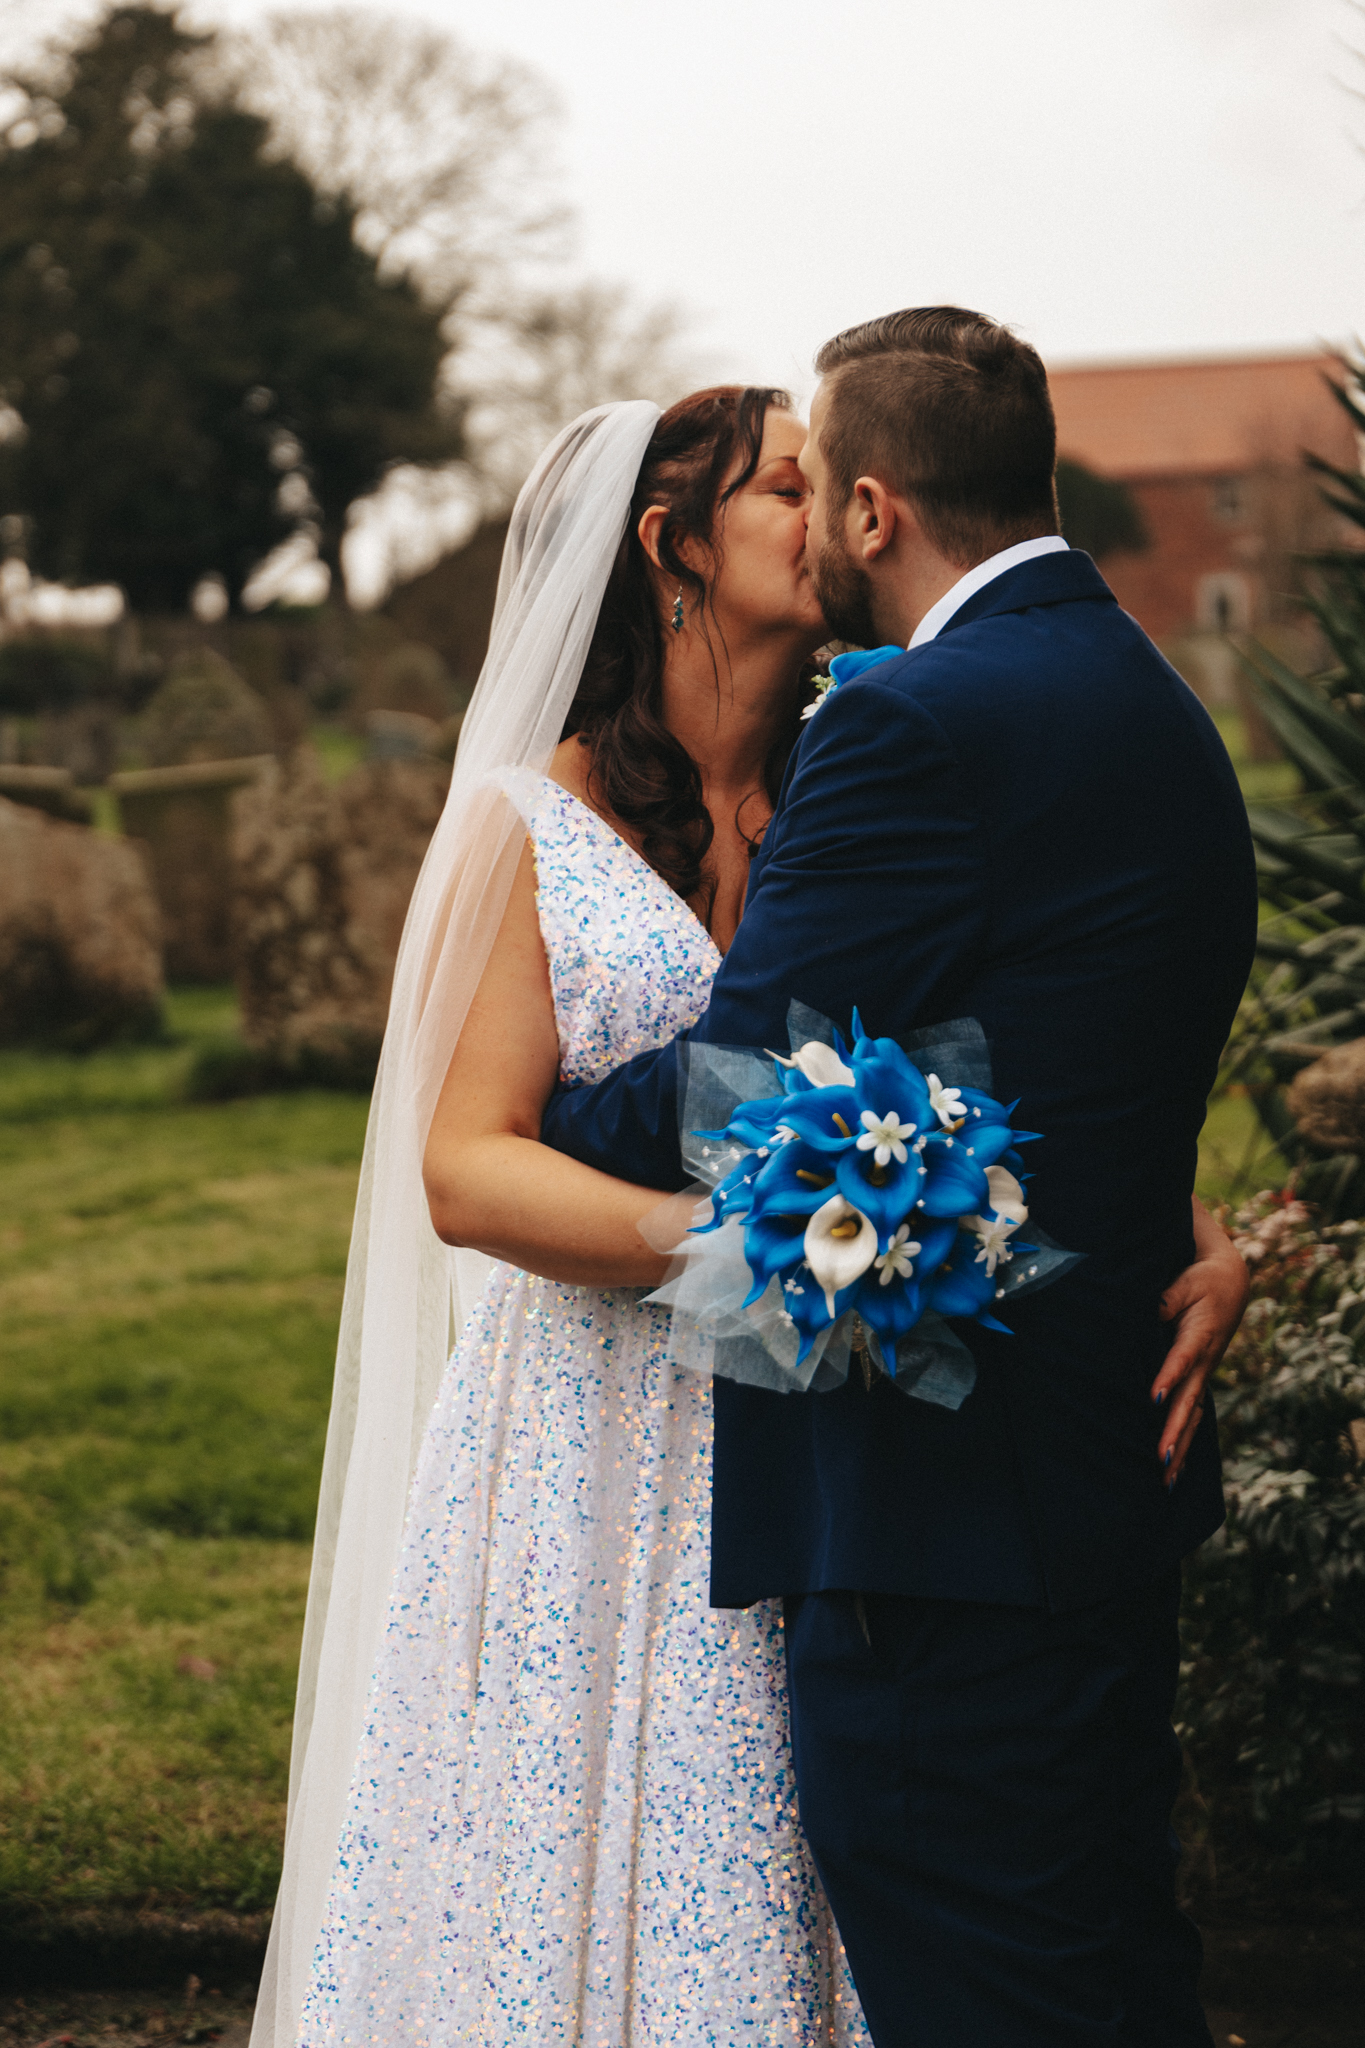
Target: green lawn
[(170, 1281)]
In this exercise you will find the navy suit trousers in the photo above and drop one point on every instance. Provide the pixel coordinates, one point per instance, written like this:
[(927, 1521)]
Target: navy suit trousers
[(987, 1791)]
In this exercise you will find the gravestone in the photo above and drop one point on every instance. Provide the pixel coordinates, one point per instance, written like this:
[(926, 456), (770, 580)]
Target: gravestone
[(183, 816), (45, 789), (323, 878)]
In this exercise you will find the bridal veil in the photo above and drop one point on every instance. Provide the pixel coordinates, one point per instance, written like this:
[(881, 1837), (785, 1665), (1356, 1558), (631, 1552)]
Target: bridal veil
[(407, 1294)]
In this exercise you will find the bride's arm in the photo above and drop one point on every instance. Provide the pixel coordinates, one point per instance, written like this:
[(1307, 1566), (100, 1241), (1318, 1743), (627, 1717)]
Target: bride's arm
[(490, 1183)]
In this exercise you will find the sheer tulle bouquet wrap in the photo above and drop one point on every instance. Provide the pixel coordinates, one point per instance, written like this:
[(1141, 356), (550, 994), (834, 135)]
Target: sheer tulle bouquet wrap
[(861, 1198)]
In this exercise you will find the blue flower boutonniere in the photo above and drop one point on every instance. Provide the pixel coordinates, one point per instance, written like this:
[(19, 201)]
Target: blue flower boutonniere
[(843, 668)]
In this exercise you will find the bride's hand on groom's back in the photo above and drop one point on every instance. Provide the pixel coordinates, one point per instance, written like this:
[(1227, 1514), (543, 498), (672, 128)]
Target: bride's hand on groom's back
[(1205, 1303)]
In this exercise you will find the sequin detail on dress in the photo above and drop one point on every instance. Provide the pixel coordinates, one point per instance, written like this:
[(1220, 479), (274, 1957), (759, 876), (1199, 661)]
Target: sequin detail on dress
[(573, 1821)]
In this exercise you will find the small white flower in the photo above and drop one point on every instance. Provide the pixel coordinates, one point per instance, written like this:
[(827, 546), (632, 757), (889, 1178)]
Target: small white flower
[(840, 1246), (946, 1103), (992, 1235), (1008, 1211), (897, 1261), (884, 1137)]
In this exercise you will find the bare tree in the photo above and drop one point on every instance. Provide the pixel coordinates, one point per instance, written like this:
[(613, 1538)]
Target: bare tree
[(442, 150), (552, 354), (446, 154)]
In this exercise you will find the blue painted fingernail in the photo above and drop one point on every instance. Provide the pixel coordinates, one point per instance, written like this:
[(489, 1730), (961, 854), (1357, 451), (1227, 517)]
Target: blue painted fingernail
[(1166, 1461), (1159, 1396), (1170, 1483)]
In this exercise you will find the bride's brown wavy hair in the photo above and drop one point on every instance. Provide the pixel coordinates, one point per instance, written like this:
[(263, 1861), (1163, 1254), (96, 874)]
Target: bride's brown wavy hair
[(639, 773)]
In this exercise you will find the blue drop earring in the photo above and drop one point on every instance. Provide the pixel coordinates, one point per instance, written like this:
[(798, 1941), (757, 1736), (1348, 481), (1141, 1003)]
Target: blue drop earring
[(678, 611)]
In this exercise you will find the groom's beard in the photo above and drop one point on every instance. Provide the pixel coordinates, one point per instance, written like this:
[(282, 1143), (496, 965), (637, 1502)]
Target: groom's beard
[(844, 589)]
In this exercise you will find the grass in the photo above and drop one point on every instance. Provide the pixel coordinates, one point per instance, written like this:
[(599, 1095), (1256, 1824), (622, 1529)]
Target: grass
[(170, 1282), (1263, 782), (1236, 1158)]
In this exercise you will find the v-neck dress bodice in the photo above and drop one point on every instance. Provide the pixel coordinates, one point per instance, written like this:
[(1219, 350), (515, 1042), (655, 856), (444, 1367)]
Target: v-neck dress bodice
[(630, 965), (573, 1818)]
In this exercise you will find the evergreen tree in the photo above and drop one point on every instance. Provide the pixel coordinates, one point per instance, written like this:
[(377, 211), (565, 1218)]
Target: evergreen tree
[(1098, 513), (202, 358)]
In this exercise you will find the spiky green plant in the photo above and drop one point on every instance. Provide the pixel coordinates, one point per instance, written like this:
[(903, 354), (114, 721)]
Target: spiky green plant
[(1308, 992)]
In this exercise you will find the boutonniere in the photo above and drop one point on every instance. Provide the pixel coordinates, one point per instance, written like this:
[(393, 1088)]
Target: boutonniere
[(843, 668)]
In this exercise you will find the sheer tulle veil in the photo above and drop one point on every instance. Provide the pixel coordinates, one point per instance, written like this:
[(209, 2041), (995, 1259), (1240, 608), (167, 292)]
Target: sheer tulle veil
[(407, 1294)]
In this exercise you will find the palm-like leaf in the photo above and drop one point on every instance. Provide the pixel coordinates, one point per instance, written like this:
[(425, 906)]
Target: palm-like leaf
[(1308, 991)]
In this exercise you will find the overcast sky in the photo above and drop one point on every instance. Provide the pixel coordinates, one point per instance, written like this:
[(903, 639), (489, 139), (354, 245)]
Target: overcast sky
[(1114, 177)]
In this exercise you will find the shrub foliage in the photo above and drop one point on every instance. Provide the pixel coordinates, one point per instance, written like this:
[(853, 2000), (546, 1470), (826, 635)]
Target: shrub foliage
[(1275, 1603)]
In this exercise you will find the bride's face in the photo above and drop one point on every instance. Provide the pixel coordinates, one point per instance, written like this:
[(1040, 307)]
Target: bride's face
[(763, 583)]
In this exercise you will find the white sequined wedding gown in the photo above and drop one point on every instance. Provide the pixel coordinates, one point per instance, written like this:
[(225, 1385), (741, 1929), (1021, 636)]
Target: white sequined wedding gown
[(573, 1819)]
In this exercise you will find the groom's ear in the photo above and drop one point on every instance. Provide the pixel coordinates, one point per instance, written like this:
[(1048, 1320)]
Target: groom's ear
[(873, 517)]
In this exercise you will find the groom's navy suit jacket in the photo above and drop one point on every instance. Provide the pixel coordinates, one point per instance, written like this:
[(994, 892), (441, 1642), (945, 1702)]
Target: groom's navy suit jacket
[(1032, 821)]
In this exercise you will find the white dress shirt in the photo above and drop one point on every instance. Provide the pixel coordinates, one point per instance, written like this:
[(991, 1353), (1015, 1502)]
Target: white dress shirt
[(938, 615)]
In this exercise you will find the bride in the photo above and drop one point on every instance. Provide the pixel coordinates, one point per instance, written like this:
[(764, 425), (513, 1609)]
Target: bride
[(541, 1791)]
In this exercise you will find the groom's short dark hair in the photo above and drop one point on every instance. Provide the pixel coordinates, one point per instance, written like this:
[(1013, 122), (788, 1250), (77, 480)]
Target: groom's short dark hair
[(953, 412)]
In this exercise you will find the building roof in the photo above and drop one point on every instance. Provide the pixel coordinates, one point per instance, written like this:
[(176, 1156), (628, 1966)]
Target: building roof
[(1200, 418)]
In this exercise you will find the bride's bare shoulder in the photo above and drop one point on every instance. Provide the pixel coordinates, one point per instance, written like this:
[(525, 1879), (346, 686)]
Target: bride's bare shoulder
[(569, 766)]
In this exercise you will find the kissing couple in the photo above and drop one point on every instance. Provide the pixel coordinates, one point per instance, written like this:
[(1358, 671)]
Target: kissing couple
[(645, 1709)]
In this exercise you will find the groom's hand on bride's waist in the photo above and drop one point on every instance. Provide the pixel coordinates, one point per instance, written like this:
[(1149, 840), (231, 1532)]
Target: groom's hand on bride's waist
[(1205, 1303)]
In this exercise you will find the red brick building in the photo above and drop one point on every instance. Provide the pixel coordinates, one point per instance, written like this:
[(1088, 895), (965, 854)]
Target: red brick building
[(1212, 451)]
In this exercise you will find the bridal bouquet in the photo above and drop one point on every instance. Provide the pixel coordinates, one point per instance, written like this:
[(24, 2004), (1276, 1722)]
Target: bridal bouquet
[(867, 1195)]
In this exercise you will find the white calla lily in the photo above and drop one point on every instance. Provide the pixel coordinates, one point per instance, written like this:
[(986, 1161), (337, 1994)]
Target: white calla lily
[(821, 1065), (840, 1245), (1007, 1197)]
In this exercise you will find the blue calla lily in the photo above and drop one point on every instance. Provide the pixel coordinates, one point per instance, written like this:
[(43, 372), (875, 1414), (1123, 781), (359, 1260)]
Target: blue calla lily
[(886, 1080), (804, 1300), (772, 1244), (955, 1184), (891, 1311), (962, 1286), (824, 1117), (885, 1194), (795, 1177)]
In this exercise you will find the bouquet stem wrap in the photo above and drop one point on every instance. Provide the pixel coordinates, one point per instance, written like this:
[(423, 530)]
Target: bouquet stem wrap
[(858, 1202)]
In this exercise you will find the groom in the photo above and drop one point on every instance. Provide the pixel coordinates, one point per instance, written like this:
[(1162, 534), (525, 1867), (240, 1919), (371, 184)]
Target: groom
[(1028, 819)]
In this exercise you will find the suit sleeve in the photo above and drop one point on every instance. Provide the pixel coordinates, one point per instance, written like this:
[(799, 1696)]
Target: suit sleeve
[(869, 891)]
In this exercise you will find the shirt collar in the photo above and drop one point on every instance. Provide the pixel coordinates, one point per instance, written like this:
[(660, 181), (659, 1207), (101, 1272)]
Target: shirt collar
[(938, 615)]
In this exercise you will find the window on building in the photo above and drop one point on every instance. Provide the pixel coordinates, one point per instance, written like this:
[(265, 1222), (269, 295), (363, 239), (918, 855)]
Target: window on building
[(1230, 499), (1223, 603)]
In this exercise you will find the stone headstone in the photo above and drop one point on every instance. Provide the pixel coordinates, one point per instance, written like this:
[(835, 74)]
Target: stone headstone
[(45, 789), (323, 878), (80, 937), (184, 818)]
